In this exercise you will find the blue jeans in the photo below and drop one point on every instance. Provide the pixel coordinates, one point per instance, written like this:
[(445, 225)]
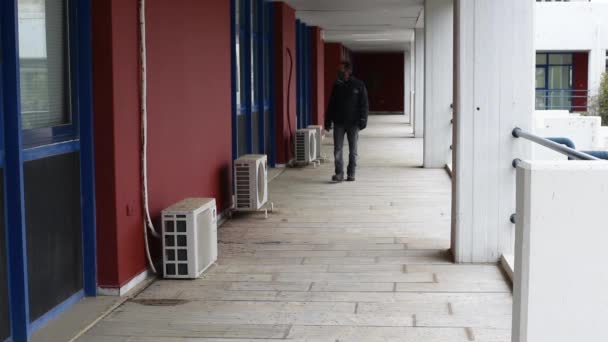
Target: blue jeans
[(352, 133)]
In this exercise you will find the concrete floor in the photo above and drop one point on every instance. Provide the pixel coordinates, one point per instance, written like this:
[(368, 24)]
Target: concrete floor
[(362, 261)]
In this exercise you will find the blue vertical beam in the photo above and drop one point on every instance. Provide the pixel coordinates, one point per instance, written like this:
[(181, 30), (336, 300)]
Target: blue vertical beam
[(260, 41), (298, 76), (301, 63), (272, 88), (13, 176), (246, 69), (305, 75), (87, 153), (304, 66), (233, 76), (308, 53)]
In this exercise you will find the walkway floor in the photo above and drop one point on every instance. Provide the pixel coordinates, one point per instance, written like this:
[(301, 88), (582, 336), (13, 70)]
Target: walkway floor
[(363, 261)]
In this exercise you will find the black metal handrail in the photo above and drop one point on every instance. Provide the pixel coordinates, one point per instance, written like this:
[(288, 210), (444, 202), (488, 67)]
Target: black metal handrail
[(565, 150)]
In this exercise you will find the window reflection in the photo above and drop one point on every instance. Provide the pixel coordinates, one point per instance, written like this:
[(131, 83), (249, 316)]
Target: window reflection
[(44, 63)]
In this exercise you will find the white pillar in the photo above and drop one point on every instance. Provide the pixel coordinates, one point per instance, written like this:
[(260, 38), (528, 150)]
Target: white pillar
[(560, 282), (407, 89), (438, 81), (494, 92), (597, 67), (419, 83)]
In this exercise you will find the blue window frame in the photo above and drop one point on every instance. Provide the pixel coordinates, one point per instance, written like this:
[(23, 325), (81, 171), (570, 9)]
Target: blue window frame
[(252, 74), (50, 110), (69, 130), (299, 75), (303, 74)]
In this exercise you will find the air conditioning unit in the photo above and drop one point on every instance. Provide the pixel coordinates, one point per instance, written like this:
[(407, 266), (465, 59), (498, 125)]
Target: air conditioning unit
[(251, 182), (189, 238), (319, 136), (306, 146)]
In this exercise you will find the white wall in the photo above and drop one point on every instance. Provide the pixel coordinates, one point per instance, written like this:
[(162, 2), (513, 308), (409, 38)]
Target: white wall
[(561, 276), (575, 26), (584, 131)]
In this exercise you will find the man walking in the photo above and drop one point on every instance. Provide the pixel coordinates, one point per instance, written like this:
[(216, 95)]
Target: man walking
[(347, 111)]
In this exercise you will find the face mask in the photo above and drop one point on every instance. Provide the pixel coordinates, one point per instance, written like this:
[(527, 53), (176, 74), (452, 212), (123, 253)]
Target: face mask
[(341, 75)]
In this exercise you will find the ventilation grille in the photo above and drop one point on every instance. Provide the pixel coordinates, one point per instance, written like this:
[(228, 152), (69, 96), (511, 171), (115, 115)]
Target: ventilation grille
[(176, 245), (301, 147), (243, 188)]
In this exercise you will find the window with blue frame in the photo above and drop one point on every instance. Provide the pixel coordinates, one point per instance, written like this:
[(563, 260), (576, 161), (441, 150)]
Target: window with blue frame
[(252, 114), (47, 111), (554, 81), (46, 101), (243, 65), (256, 117), (266, 62)]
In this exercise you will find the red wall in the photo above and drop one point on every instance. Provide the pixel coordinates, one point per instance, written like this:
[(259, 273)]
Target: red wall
[(285, 105), (333, 58), (383, 73), (580, 83), (318, 77), (189, 119)]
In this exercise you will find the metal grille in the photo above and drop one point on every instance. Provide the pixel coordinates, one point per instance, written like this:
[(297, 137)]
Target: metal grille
[(301, 146), (176, 245), (243, 189)]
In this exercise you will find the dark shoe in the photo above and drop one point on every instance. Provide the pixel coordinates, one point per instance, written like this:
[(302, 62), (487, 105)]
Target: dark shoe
[(338, 178), (350, 179)]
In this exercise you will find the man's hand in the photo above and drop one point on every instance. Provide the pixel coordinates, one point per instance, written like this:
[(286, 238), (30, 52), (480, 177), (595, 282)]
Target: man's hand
[(328, 127), (362, 124)]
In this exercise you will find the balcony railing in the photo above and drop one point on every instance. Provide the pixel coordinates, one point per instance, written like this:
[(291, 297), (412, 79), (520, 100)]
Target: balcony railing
[(562, 99)]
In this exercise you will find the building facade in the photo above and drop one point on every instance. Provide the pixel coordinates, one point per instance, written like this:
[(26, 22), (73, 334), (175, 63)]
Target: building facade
[(571, 40)]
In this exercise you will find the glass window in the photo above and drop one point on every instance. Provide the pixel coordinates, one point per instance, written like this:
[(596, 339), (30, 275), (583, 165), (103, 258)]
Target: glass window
[(540, 78), (255, 32), (541, 99), (560, 59), (541, 59), (267, 52), (560, 85), (44, 63)]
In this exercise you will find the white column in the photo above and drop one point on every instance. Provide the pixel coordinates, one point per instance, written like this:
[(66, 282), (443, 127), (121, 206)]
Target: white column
[(493, 93), (561, 277), (419, 83), (407, 89), (597, 67), (438, 81)]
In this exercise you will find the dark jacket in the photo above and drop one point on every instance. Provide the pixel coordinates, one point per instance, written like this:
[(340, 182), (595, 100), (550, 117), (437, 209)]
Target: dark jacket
[(348, 104)]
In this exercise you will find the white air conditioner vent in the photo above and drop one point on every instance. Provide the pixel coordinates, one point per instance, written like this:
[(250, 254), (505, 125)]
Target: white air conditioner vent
[(189, 238), (251, 182), (306, 146)]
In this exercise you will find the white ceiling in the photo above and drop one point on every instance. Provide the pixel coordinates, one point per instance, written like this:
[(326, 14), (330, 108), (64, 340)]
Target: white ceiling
[(363, 25)]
